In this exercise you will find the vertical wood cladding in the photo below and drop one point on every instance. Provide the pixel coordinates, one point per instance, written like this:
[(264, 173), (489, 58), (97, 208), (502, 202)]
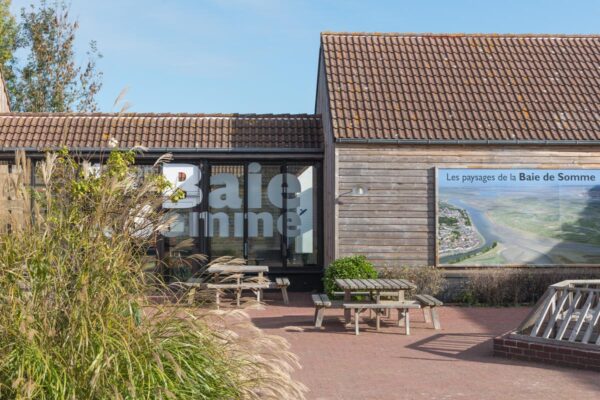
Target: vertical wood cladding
[(394, 224), (329, 166)]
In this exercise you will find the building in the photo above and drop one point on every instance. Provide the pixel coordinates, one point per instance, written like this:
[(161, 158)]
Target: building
[(452, 150), (399, 108), (252, 182)]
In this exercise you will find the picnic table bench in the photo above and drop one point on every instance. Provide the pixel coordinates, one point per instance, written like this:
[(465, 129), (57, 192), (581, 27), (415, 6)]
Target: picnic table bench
[(401, 306), (374, 286), (428, 304), (382, 296), (282, 284), (234, 280), (321, 302)]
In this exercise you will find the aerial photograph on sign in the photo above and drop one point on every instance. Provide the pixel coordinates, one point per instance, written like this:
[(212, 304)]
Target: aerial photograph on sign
[(500, 217)]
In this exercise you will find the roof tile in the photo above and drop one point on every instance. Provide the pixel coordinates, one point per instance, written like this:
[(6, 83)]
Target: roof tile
[(463, 87), (160, 131)]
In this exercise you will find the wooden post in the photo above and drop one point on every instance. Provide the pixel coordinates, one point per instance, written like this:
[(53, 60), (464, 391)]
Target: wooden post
[(319, 313), (284, 294), (427, 314), (191, 295), (347, 311), (436, 320)]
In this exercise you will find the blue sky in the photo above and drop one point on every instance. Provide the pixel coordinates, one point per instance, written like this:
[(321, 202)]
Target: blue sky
[(260, 56)]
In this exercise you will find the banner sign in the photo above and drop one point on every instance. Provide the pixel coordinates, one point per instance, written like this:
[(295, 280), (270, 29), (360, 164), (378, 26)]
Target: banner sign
[(501, 217)]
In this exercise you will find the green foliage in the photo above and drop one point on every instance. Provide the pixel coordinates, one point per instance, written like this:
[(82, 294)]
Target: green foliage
[(429, 279), (49, 80), (8, 42), (76, 321), (348, 267), (448, 220), (511, 287)]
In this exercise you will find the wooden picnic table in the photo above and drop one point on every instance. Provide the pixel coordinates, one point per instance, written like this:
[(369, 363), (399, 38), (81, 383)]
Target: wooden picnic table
[(222, 269), (376, 286), (238, 285)]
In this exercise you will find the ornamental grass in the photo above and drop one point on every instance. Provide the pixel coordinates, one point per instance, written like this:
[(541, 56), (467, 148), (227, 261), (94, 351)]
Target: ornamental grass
[(76, 319)]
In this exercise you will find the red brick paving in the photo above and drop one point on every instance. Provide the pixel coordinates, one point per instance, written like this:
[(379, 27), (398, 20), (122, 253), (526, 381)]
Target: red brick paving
[(454, 363)]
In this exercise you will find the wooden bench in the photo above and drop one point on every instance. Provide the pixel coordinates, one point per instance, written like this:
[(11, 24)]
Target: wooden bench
[(237, 288), (401, 306), (281, 283), (322, 301), (428, 304)]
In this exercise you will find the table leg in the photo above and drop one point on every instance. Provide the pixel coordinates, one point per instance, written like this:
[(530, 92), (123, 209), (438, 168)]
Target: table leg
[(347, 311), (259, 296), (401, 319), (191, 296)]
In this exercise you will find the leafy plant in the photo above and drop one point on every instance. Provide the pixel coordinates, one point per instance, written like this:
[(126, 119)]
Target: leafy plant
[(356, 267), (511, 287), (76, 320)]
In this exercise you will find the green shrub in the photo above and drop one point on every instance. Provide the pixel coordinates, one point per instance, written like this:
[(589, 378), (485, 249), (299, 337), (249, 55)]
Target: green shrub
[(511, 287), (429, 280), (76, 321), (356, 267)]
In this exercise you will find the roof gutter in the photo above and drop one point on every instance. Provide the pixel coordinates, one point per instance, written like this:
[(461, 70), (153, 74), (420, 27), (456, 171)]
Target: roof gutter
[(246, 150), (467, 142)]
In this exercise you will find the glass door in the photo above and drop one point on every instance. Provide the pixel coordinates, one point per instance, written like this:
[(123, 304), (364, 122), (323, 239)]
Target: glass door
[(265, 205), (301, 215), (265, 212), (226, 210)]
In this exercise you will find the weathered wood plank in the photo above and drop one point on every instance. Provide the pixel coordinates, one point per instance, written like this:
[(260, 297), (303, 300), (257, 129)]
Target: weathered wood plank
[(593, 321), (567, 317), (582, 317), (552, 321)]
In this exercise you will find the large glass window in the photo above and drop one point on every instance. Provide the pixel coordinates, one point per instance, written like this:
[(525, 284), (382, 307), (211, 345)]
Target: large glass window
[(266, 212)]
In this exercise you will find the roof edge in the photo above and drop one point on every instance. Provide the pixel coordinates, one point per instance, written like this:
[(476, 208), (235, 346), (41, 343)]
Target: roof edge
[(158, 115), (241, 150), (467, 142), (461, 34)]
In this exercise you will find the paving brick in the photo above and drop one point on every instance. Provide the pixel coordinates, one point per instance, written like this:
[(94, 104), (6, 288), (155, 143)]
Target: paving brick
[(455, 362)]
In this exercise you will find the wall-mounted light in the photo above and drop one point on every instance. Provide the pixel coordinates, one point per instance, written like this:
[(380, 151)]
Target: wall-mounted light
[(358, 190)]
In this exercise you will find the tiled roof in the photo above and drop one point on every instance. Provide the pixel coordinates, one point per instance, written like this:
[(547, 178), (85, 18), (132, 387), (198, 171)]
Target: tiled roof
[(161, 131), (463, 87)]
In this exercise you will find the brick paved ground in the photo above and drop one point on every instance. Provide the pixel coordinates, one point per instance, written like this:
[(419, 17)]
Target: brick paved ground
[(454, 363)]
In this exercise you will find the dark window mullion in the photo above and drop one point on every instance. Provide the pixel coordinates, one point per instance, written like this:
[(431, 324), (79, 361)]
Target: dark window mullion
[(245, 207), (284, 240)]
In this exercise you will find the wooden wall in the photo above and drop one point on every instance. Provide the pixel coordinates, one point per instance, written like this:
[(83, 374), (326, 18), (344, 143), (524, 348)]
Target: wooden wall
[(394, 224), (329, 167)]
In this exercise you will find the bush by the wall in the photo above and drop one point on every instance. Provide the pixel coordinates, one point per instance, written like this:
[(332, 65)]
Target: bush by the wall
[(354, 267), (429, 280), (508, 287)]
